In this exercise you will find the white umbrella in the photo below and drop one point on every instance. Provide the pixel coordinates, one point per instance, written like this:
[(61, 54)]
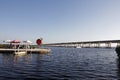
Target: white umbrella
[(27, 41), (7, 41)]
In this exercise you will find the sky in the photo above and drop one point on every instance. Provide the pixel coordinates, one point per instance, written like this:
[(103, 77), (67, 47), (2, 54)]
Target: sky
[(59, 21)]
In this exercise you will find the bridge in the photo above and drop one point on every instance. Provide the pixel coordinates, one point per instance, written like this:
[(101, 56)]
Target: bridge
[(87, 44)]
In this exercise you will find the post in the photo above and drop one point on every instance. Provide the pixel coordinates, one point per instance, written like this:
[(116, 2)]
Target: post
[(108, 45)]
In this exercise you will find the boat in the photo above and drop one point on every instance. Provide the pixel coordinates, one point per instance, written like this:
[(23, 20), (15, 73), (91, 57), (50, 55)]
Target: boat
[(78, 47), (21, 53)]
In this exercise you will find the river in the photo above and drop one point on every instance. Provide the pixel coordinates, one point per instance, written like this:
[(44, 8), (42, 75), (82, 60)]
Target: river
[(62, 64)]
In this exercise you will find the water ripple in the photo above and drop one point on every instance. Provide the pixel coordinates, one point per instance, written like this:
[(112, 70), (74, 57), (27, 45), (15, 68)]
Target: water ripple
[(62, 64)]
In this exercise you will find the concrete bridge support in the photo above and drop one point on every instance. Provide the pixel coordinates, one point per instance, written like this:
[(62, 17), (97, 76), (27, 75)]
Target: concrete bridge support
[(118, 44), (97, 45), (108, 45)]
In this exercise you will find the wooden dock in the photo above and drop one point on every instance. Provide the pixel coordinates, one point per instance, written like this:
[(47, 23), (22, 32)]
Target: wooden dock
[(2, 50)]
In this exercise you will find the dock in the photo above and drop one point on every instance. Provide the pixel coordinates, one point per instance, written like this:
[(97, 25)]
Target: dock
[(2, 50)]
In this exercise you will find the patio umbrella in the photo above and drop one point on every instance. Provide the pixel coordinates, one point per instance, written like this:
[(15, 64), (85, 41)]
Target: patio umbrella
[(27, 41), (7, 41), (15, 41)]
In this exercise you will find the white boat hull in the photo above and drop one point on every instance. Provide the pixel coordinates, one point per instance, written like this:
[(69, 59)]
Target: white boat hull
[(21, 53), (78, 47)]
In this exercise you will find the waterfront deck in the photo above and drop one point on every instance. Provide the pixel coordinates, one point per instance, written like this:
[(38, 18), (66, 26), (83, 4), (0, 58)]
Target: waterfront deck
[(2, 50)]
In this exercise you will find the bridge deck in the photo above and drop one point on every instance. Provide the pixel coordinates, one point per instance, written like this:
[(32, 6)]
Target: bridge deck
[(86, 43)]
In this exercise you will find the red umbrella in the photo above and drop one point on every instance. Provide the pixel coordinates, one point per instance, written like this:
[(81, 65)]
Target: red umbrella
[(15, 41)]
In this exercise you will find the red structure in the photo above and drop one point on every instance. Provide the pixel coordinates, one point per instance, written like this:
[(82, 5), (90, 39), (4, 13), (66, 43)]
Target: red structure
[(39, 41)]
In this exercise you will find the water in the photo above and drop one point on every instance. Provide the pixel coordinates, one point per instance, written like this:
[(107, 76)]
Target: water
[(62, 64)]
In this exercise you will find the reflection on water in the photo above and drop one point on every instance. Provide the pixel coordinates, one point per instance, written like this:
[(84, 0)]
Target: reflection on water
[(62, 64), (26, 59), (7, 58), (19, 67), (118, 65)]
